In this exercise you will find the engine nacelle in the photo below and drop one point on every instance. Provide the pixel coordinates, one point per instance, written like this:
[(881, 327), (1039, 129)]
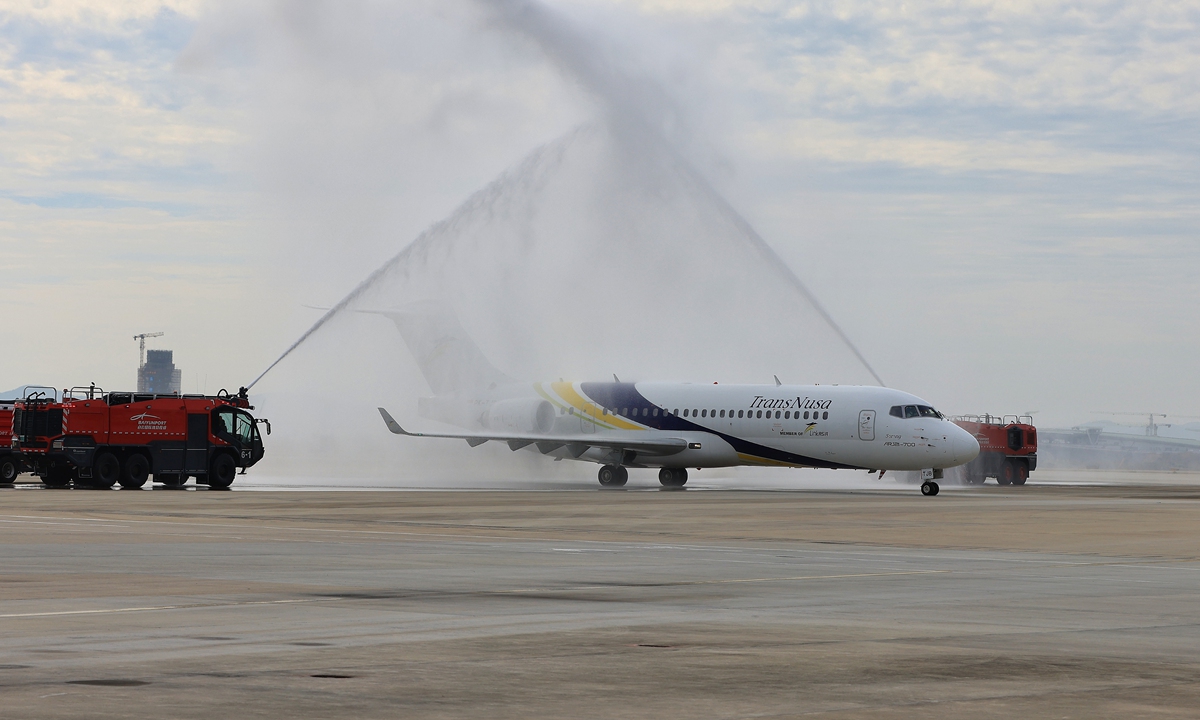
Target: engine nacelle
[(520, 415)]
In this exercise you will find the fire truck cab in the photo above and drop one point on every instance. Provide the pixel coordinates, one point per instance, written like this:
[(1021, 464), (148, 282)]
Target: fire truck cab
[(97, 439)]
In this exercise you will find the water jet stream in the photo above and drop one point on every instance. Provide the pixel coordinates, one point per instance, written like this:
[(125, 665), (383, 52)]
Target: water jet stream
[(635, 108)]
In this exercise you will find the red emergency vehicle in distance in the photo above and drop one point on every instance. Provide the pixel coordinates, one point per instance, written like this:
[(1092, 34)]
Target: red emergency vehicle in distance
[(10, 462), (98, 439), (1007, 448)]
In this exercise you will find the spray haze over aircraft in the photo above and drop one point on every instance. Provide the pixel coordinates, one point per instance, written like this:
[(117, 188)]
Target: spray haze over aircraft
[(606, 249)]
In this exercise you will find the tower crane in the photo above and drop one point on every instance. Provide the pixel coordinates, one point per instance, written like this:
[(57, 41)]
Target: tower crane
[(142, 345), (1151, 426)]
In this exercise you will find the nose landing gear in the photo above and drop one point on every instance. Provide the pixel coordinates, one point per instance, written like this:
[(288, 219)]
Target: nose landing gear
[(930, 477)]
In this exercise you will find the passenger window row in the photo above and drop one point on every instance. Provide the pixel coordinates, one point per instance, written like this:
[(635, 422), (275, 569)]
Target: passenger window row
[(751, 414), (784, 414), (645, 412)]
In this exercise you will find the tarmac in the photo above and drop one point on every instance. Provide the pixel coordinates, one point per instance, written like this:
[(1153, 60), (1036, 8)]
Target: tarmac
[(1075, 601)]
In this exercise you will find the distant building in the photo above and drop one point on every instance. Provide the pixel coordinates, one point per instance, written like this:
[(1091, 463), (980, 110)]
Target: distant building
[(159, 374)]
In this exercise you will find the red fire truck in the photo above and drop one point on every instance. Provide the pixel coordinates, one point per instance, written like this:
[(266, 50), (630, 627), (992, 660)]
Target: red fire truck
[(10, 462), (1007, 448), (97, 439)]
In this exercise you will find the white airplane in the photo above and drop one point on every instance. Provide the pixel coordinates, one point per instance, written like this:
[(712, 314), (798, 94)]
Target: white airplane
[(675, 426)]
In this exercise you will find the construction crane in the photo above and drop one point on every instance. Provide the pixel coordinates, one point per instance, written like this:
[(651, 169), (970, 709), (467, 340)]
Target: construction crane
[(142, 345), (1151, 426)]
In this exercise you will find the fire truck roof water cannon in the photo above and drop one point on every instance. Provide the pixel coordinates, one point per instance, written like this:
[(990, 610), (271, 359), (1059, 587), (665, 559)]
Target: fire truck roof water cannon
[(96, 439)]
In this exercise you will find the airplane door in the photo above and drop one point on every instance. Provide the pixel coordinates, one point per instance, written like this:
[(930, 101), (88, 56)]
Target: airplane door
[(866, 425), (587, 419)]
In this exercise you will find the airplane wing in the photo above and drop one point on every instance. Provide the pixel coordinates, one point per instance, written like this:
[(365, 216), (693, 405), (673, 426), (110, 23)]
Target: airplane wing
[(576, 444)]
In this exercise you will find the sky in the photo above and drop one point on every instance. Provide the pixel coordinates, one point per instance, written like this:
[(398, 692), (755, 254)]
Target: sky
[(998, 201)]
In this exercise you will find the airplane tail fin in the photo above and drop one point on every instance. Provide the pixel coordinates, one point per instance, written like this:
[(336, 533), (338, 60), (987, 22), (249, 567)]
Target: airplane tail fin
[(448, 358)]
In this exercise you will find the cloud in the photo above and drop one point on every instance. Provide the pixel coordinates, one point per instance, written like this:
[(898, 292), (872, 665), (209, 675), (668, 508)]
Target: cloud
[(846, 142), (916, 160), (110, 16)]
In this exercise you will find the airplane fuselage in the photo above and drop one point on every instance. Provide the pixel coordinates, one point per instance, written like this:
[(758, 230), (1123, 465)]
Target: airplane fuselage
[(822, 426)]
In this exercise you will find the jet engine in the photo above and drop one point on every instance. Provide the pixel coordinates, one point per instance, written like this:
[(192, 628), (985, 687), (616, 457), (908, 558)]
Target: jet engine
[(520, 415)]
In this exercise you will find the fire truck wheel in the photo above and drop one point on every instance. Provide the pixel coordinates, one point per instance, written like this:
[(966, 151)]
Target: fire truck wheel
[(1020, 472), (106, 470), (10, 468), (1008, 473), (222, 472), (135, 472)]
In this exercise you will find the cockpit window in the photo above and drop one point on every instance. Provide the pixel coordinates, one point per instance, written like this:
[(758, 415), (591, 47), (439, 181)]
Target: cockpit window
[(912, 411)]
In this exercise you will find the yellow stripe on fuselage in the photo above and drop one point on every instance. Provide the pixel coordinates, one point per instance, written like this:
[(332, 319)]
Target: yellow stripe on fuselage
[(756, 460), (591, 410)]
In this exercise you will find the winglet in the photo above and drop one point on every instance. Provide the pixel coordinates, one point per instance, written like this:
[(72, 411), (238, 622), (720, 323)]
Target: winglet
[(391, 423), (777, 383)]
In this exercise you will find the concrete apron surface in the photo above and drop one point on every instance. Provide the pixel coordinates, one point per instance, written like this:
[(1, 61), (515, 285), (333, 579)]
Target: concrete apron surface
[(1029, 602)]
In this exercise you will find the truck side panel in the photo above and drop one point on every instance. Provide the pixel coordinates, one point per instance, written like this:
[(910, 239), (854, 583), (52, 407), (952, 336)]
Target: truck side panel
[(140, 423), (87, 418)]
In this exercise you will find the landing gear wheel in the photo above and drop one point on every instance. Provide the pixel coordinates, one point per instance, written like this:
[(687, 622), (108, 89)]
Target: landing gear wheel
[(222, 472), (135, 472), (613, 476), (1007, 474), (672, 477), (929, 487), (10, 468), (106, 470), (1020, 472)]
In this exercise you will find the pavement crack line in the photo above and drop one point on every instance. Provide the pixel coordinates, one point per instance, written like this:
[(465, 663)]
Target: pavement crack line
[(153, 608)]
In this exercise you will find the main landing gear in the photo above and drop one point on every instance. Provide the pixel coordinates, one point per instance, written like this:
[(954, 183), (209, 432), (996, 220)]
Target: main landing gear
[(613, 476), (672, 477), (617, 476)]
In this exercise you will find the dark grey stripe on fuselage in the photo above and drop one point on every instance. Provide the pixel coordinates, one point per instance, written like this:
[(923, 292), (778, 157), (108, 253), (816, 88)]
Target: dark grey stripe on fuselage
[(618, 397)]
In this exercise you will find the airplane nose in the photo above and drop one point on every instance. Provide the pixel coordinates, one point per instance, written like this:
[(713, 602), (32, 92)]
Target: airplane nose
[(963, 445)]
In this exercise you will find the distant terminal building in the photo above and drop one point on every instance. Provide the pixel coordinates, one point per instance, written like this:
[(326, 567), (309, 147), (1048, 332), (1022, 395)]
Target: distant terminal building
[(1110, 446), (159, 374)]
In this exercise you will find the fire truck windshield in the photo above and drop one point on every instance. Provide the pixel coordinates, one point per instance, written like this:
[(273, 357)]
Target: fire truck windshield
[(237, 424)]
